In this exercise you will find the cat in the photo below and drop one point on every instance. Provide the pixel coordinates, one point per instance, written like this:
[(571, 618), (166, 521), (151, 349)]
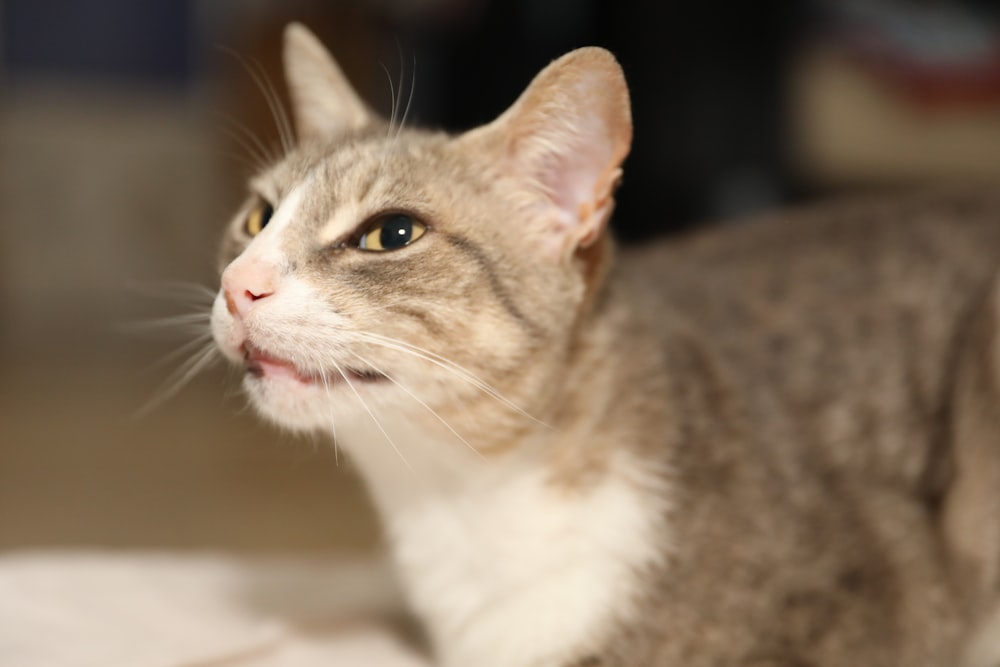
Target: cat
[(774, 443)]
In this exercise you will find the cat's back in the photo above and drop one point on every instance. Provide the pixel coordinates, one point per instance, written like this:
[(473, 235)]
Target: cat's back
[(845, 253), (840, 321), (813, 423)]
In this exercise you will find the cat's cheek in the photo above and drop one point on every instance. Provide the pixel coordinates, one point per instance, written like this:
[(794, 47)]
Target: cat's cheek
[(286, 407)]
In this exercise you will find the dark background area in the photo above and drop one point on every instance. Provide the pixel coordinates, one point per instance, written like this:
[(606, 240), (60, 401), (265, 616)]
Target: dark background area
[(707, 89), (123, 136), (709, 79)]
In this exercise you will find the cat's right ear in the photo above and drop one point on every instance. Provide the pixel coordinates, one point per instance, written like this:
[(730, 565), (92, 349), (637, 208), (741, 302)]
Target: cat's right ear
[(323, 101)]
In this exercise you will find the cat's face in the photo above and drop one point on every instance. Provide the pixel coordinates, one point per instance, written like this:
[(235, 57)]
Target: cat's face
[(453, 283), (382, 272)]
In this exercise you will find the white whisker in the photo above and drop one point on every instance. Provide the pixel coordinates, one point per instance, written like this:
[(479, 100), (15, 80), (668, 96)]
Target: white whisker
[(281, 119), (258, 152), (333, 423), (371, 414), (392, 118), (422, 403), (370, 309), (198, 362), (187, 347), (249, 164), (409, 100), (181, 323), (263, 83), (448, 365), (392, 96), (177, 291)]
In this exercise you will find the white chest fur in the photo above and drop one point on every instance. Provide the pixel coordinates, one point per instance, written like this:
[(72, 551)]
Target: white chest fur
[(506, 569)]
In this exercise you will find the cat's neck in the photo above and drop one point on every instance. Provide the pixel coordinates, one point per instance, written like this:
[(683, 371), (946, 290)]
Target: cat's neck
[(565, 515), (580, 504)]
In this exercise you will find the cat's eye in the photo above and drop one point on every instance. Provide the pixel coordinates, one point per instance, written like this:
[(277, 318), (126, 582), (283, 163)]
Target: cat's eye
[(391, 232), (257, 218)]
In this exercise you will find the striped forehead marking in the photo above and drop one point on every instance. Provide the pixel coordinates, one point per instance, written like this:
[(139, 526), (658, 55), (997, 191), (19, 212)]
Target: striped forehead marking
[(267, 244), (345, 218), (353, 188)]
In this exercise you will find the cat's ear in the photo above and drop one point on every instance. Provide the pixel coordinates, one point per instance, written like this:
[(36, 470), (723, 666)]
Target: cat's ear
[(323, 101), (565, 138)]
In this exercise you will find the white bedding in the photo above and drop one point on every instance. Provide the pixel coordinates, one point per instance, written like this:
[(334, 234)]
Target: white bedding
[(95, 609)]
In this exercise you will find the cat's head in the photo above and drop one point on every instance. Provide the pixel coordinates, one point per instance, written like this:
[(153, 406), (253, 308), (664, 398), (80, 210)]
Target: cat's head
[(381, 269)]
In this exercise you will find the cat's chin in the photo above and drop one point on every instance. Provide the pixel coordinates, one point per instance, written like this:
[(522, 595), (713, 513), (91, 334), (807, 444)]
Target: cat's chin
[(290, 403), (300, 398)]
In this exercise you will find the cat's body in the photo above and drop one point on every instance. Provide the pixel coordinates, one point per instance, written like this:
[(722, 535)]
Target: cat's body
[(771, 444), (818, 356)]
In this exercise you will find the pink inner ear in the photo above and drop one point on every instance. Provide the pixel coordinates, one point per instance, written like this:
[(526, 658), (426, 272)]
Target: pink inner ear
[(572, 175), (575, 168), (564, 140)]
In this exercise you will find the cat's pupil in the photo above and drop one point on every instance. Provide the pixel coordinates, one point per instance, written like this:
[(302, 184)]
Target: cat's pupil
[(396, 232), (265, 215)]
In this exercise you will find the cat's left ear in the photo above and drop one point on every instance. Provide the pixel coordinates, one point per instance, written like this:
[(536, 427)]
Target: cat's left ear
[(323, 101), (565, 138)]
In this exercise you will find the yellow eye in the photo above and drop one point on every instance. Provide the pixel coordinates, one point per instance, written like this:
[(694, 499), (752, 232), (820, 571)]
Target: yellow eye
[(392, 232), (258, 218)]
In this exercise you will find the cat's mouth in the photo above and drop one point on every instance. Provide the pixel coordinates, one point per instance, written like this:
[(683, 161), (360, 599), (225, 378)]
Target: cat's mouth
[(261, 364)]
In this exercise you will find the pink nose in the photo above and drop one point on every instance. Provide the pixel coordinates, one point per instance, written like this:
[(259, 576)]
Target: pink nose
[(244, 284)]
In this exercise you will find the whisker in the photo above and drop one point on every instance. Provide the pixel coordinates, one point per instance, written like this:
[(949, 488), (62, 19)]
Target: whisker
[(438, 360), (248, 163), (174, 290), (402, 80), (174, 322), (198, 342), (392, 96), (422, 403), (392, 118), (369, 309), (371, 414), (281, 114), (333, 423), (198, 362), (448, 365), (256, 149), (250, 142), (409, 100), (195, 324), (263, 83)]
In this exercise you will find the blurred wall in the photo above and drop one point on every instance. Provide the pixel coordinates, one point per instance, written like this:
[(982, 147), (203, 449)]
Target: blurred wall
[(117, 176)]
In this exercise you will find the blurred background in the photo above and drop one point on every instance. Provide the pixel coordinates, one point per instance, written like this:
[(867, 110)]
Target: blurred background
[(125, 140)]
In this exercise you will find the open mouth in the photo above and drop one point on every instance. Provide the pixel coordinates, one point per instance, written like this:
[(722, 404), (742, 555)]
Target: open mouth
[(261, 364)]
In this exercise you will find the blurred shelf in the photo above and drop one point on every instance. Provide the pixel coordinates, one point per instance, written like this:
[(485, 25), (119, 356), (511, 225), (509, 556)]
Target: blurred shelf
[(851, 129)]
